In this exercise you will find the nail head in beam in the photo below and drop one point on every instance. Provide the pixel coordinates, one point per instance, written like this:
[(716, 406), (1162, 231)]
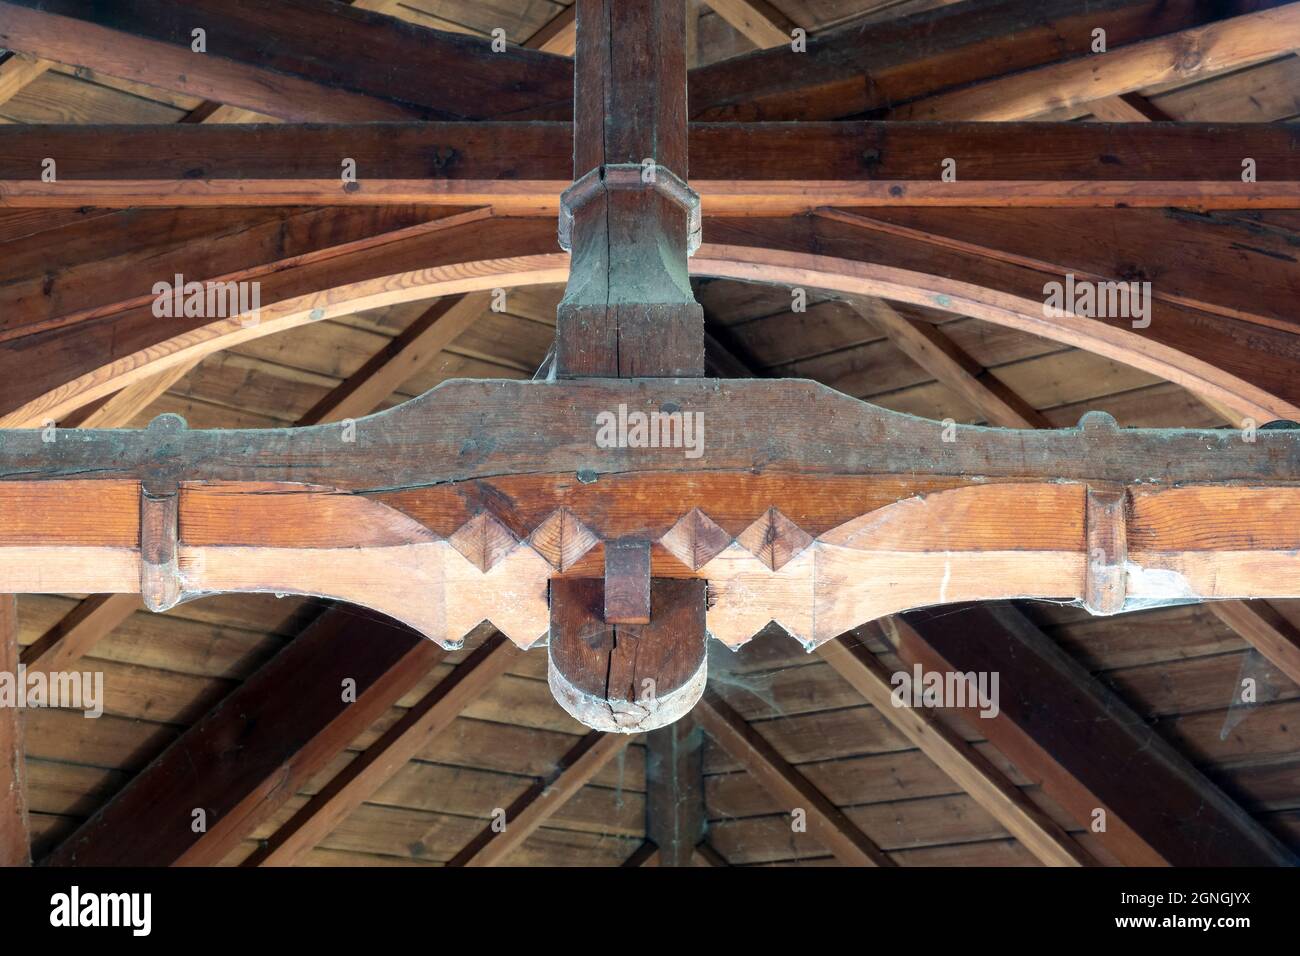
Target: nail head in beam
[(627, 678)]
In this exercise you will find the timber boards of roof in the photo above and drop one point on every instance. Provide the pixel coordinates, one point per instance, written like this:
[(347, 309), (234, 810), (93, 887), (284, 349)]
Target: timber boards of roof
[(1177, 667)]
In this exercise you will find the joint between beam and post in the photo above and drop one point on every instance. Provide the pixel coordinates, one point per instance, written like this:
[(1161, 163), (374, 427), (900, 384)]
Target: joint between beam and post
[(632, 176), (160, 577), (1106, 575)]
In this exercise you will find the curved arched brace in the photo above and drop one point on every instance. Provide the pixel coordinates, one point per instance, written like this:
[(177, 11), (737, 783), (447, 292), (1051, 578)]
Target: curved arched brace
[(973, 542), (730, 261)]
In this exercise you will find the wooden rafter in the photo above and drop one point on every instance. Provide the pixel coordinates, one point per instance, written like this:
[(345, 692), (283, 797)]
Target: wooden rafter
[(15, 841), (320, 68), (357, 782), (523, 817), (1091, 749), (839, 251), (228, 765), (826, 823), (17, 70), (989, 787), (875, 66), (758, 20), (1224, 45)]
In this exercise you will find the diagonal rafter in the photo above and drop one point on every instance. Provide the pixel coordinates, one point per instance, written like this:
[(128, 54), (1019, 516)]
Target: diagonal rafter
[(256, 748), (874, 66), (826, 822), (320, 67), (1091, 754), (357, 782), (988, 786), (542, 801)]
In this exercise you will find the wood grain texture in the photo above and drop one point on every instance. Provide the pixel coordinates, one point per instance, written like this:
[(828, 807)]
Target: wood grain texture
[(627, 678), (522, 818), (1088, 755), (738, 169), (873, 65), (1205, 353), (405, 739), (676, 816), (973, 772), (15, 840), (321, 65), (1182, 57), (227, 764), (827, 824)]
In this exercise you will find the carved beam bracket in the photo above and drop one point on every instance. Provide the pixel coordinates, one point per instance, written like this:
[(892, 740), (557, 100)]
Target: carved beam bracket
[(632, 176)]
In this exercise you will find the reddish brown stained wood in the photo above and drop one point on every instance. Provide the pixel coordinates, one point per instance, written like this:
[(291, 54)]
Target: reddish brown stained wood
[(1092, 749), (676, 817), (1107, 541), (963, 763), (1266, 629), (826, 822), (627, 678), (539, 803), (427, 718), (15, 841), (257, 748), (627, 581), (321, 65), (160, 581), (80, 630)]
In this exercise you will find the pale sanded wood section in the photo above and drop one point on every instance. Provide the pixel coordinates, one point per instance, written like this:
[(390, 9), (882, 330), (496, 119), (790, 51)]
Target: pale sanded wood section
[(1180, 57), (559, 34), (1105, 587), (966, 766), (1264, 628), (15, 842), (758, 20), (80, 630), (427, 718), (17, 70), (826, 822), (523, 817)]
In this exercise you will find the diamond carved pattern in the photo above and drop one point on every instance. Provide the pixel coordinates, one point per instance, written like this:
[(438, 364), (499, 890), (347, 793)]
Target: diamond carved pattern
[(696, 539), (774, 539), (484, 541), (562, 539)]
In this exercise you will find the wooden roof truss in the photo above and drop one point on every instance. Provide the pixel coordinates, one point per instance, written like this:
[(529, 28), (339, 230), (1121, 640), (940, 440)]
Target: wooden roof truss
[(502, 501)]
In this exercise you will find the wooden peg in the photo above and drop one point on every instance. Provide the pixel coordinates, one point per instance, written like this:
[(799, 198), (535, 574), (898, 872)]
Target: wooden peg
[(160, 578), (1106, 577)]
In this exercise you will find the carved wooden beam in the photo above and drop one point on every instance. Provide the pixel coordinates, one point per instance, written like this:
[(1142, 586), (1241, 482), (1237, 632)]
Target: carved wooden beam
[(478, 494), (738, 169)]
